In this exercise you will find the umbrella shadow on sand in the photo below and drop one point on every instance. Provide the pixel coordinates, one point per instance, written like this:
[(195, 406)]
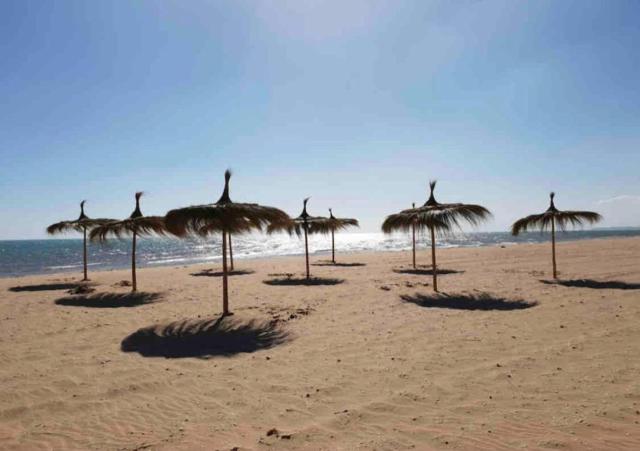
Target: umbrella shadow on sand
[(212, 273), (337, 264), (46, 287), (483, 301), (426, 272), (595, 284), (109, 300), (222, 336), (292, 281)]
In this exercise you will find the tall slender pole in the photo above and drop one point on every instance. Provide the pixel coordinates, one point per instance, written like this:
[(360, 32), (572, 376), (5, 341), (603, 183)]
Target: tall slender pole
[(84, 255), (134, 283), (230, 254), (413, 232), (333, 248), (225, 286), (553, 246), (433, 259), (306, 249)]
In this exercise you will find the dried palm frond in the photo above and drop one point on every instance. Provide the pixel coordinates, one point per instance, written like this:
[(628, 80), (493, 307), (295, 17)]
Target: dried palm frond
[(551, 219), (562, 219), (78, 225), (143, 225), (443, 218), (337, 224), (136, 223), (297, 225), (225, 215)]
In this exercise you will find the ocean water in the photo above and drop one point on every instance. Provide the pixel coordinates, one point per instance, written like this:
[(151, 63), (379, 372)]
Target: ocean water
[(25, 257)]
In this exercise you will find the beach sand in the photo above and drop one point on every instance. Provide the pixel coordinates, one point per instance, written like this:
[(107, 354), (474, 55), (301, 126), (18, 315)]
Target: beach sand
[(501, 360)]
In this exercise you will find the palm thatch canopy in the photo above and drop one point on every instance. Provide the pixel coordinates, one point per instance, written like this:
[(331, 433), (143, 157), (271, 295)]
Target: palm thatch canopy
[(551, 219), (313, 224), (562, 219), (336, 224), (438, 219), (225, 215), (136, 223), (77, 225), (443, 218)]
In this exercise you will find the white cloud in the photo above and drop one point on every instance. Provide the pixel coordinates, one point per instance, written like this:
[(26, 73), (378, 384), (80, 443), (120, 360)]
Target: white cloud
[(622, 198)]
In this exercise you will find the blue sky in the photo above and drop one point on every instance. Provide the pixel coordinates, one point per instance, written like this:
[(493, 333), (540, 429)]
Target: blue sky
[(357, 104)]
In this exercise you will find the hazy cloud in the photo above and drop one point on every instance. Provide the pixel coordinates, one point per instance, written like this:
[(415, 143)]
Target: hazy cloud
[(622, 198)]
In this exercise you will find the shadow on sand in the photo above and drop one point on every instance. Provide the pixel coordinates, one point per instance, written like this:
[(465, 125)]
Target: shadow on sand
[(338, 264), (588, 283), (47, 287), (109, 300), (286, 281), (426, 272), (484, 301), (223, 336), (212, 273)]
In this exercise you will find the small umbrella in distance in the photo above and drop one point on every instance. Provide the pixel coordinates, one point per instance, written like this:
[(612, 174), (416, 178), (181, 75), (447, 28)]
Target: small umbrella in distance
[(135, 225), (551, 218), (438, 218), (83, 225), (336, 224)]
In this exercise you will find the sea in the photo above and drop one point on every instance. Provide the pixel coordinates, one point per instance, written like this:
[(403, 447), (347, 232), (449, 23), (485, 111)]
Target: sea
[(49, 256)]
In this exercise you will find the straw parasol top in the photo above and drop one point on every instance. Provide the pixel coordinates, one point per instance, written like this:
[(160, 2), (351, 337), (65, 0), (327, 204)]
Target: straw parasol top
[(336, 224), (313, 224), (78, 225), (562, 219), (136, 223), (444, 218), (224, 215)]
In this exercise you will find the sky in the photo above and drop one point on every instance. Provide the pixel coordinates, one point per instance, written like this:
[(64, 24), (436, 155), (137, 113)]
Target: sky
[(356, 103)]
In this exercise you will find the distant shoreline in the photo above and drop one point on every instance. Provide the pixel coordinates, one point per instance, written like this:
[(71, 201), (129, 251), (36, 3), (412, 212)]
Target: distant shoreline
[(215, 259)]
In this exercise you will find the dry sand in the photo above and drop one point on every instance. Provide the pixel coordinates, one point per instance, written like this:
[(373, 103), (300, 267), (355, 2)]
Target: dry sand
[(352, 365)]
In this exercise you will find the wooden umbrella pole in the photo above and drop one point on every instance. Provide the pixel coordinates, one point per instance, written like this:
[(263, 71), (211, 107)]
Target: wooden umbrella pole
[(333, 248), (413, 231), (306, 249), (230, 254), (225, 286), (553, 246), (84, 255), (134, 284), (433, 260)]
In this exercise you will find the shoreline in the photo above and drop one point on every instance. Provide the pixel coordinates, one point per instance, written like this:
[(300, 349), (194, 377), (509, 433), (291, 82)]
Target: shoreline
[(420, 246)]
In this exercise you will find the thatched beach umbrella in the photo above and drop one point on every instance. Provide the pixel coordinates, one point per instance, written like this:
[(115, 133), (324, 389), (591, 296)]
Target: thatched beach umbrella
[(82, 225), (135, 225), (438, 218), (552, 218), (224, 217), (336, 224), (305, 224)]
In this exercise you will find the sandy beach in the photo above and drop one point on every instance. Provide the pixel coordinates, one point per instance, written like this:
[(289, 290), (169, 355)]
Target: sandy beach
[(366, 358)]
